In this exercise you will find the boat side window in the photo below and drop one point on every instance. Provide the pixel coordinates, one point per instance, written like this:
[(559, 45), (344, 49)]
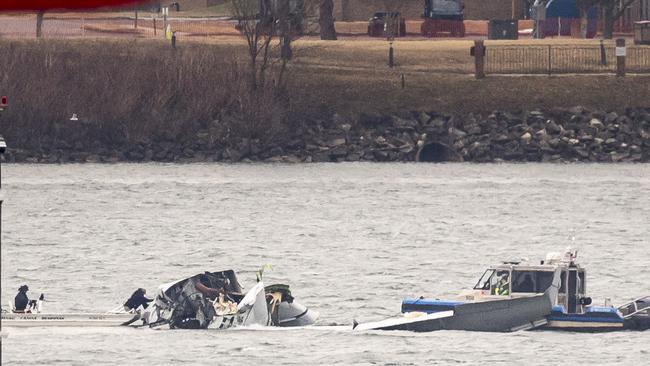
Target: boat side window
[(544, 281), (484, 282), (523, 281)]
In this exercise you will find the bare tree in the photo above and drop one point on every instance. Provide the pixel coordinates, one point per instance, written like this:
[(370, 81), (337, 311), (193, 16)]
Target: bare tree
[(393, 17), (612, 10), (583, 10), (259, 108), (248, 14), (266, 25)]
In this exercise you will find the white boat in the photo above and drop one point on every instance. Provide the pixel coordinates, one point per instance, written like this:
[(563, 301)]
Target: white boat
[(21, 320), (35, 317)]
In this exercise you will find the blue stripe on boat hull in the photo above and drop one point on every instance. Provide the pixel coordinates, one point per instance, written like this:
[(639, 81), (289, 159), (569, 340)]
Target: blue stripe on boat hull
[(427, 305)]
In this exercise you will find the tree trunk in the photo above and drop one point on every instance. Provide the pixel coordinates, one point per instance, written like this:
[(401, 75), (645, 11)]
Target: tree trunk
[(326, 20), (39, 24), (608, 18), (345, 10), (584, 22)]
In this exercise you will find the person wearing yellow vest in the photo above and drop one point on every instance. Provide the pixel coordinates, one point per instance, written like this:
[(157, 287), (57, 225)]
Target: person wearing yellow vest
[(503, 285), (168, 32)]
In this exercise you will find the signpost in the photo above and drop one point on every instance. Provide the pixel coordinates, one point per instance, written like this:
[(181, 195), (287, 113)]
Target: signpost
[(620, 52)]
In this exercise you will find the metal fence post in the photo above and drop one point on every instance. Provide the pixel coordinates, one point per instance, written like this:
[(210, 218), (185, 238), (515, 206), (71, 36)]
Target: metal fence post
[(39, 24), (165, 12), (550, 61), (479, 58), (620, 57)]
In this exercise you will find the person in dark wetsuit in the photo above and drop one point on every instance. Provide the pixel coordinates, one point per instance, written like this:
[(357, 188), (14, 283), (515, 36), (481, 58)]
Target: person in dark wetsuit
[(137, 299), (21, 301)]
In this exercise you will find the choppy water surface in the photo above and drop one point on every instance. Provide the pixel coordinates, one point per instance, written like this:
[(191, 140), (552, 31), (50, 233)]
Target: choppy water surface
[(351, 239)]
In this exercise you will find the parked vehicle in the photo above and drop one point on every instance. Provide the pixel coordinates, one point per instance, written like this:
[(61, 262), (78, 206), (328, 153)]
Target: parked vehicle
[(443, 18)]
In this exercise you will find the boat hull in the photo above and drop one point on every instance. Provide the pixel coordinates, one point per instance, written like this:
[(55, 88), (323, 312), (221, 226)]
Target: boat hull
[(66, 320), (594, 319), (490, 316), (640, 322), (506, 315)]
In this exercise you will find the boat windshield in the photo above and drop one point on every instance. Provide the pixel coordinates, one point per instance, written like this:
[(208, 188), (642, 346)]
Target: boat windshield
[(531, 281), (484, 282)]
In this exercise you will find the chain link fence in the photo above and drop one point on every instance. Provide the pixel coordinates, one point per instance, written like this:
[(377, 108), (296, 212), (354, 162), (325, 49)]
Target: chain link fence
[(121, 27)]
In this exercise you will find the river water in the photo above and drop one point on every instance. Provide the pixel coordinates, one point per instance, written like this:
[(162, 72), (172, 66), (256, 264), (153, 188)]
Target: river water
[(351, 239)]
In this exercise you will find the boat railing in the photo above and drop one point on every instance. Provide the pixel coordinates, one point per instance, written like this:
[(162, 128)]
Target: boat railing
[(640, 305)]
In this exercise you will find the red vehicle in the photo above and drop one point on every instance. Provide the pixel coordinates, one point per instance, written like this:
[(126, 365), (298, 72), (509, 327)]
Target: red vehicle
[(385, 24), (443, 18)]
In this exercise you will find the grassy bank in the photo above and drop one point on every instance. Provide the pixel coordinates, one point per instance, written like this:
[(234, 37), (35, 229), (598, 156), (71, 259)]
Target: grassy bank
[(141, 89)]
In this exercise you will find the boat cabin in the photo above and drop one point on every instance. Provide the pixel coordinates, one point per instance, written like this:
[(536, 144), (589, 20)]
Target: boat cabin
[(514, 279), (571, 309)]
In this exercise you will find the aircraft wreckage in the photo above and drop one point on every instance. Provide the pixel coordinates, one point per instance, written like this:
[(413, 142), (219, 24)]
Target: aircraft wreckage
[(209, 300)]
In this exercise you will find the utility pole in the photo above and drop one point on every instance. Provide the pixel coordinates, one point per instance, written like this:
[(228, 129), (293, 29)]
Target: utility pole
[(39, 24), (3, 146), (515, 9)]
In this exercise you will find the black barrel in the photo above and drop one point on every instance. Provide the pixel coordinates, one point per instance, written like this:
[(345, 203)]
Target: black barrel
[(503, 29)]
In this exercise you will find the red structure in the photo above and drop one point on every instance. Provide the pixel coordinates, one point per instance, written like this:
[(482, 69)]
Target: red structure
[(42, 5)]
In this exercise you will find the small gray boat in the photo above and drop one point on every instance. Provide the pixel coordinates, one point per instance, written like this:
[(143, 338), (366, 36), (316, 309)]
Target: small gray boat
[(488, 314)]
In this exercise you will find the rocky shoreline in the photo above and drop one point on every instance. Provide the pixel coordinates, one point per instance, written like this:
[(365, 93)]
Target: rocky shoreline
[(559, 135)]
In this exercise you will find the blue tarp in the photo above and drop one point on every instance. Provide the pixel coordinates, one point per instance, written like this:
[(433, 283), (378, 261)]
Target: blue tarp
[(560, 14), (567, 9)]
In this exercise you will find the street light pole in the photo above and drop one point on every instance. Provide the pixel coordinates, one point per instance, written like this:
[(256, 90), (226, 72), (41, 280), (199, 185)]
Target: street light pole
[(3, 147)]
